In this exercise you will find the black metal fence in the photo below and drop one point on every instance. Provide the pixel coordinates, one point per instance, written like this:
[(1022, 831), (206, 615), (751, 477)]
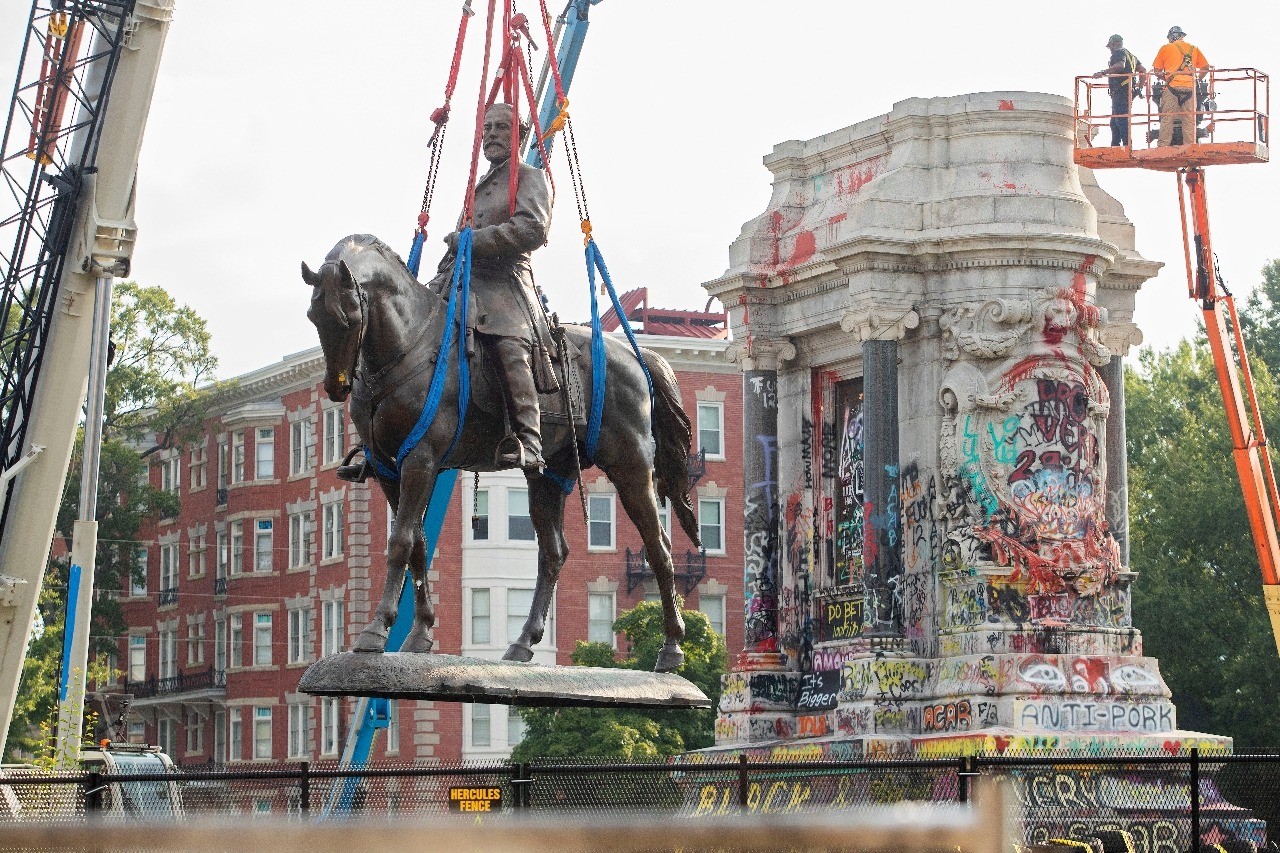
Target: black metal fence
[(1164, 801)]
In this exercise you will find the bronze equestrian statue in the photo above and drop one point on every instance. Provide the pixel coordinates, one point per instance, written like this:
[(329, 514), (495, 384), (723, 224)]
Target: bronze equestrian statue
[(381, 332)]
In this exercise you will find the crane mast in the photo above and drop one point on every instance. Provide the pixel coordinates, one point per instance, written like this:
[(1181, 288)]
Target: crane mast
[(72, 233)]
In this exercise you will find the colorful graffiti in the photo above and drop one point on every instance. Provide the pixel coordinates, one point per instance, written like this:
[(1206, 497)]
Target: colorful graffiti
[(850, 485)]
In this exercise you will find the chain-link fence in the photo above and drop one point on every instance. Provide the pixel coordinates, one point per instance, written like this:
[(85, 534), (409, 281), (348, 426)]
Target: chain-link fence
[(1162, 801)]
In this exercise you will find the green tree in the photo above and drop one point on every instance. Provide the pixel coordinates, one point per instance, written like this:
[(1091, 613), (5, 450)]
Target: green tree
[(158, 393), (1198, 598), (633, 735)]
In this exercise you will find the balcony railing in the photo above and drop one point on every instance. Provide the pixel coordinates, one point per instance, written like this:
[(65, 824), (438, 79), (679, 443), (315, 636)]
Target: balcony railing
[(168, 596), (690, 570), (181, 683), (697, 466), (220, 586)]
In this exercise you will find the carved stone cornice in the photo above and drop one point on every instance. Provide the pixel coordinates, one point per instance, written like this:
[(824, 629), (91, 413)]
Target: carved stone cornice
[(756, 353), (880, 322), (1119, 337)]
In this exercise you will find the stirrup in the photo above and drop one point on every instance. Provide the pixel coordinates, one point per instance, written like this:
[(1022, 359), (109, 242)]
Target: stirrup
[(354, 472)]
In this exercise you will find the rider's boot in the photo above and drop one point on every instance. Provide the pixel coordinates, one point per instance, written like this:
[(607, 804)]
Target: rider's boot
[(522, 408)]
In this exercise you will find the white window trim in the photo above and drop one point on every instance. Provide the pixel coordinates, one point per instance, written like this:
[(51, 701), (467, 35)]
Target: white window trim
[(723, 549), (613, 521), (719, 407)]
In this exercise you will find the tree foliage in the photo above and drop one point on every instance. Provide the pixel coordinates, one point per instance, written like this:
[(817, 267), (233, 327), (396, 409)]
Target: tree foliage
[(1198, 598), (633, 735), (158, 393)]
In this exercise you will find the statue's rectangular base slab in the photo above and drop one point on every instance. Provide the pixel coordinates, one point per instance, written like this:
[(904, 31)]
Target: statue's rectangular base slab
[(405, 675)]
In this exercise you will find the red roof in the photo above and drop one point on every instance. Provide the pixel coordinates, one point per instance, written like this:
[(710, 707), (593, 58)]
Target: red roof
[(664, 321)]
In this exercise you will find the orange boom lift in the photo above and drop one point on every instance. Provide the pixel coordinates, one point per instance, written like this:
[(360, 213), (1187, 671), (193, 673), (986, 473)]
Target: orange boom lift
[(1220, 136)]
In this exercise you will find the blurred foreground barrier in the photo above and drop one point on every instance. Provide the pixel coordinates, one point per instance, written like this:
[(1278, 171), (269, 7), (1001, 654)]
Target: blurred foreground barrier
[(984, 827)]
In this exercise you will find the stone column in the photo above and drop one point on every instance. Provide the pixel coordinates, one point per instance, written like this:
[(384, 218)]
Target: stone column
[(761, 529), (1117, 458), (882, 519), (880, 323), (1118, 337)]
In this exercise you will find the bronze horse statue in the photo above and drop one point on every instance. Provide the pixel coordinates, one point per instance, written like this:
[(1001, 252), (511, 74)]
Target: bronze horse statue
[(381, 332)]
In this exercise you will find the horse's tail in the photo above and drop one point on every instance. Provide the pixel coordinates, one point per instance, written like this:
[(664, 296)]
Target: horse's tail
[(674, 435)]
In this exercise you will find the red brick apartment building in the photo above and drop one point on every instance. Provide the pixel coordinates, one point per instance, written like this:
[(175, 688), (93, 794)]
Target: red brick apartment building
[(273, 562)]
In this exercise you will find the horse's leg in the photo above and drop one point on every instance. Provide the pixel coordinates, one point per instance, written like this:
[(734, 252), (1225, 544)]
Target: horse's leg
[(635, 489), (405, 546), (424, 613), (546, 511)]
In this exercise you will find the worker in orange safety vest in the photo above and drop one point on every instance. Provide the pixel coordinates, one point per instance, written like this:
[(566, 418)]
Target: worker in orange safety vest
[(1178, 64)]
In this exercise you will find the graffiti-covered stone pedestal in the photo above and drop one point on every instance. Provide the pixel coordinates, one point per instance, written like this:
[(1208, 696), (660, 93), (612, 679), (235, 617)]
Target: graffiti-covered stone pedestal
[(932, 316)]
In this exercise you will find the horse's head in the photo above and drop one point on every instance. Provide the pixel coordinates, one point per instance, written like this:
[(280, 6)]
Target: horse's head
[(338, 309)]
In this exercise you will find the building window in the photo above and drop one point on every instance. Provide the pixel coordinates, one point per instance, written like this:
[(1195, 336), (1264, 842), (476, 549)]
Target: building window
[(515, 727), (297, 731), (335, 438), (265, 454), (235, 640), (170, 469), (519, 525), (237, 457), (393, 725), (137, 658), (299, 539), (138, 578), (711, 524), (332, 627), (195, 732), (600, 618), (329, 716), (299, 438), (220, 645), (664, 515), (600, 509), (235, 734), (480, 516), (262, 639), (711, 429), (262, 545), (481, 725), (195, 643), (332, 545), (195, 556), (712, 606), (167, 735), (519, 603), (168, 652), (223, 555), (222, 464), (199, 454), (137, 731), (261, 732), (220, 736), (237, 547), (168, 570), (299, 634), (480, 634)]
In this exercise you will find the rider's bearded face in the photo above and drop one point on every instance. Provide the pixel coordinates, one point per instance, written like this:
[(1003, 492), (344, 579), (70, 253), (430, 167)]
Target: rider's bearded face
[(497, 135)]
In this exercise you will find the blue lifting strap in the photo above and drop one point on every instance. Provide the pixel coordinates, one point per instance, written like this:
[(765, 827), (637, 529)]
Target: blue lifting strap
[(596, 261), (455, 336)]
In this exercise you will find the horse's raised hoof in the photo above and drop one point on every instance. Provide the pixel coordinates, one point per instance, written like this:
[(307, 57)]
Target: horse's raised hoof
[(419, 642), (371, 639), (670, 658), (518, 652)]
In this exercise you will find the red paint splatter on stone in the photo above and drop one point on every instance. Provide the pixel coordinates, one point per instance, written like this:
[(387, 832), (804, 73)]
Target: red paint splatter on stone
[(805, 248), (1004, 105), (839, 217)]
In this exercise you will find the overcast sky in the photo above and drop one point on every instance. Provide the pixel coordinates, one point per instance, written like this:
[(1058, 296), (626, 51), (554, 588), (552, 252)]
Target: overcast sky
[(279, 126)]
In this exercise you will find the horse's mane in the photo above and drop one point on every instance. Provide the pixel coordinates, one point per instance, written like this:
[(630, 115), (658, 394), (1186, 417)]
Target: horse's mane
[(362, 241)]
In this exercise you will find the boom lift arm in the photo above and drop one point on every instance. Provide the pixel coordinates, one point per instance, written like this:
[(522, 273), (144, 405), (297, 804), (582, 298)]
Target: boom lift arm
[(1244, 417)]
